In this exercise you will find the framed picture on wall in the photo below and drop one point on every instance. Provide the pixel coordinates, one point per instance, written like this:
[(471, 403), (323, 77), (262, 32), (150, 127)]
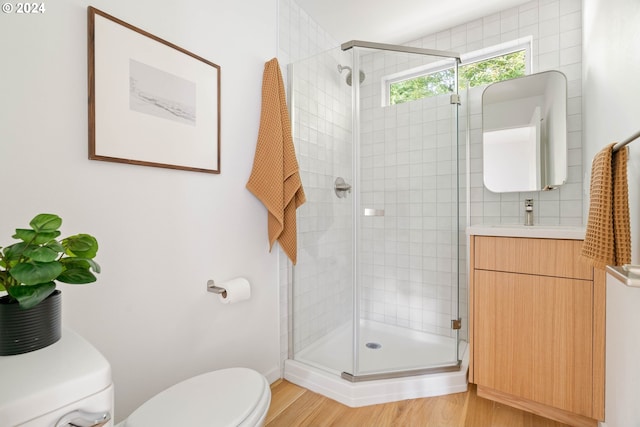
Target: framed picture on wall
[(151, 103)]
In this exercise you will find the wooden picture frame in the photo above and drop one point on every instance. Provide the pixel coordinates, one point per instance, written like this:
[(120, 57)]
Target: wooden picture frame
[(151, 103)]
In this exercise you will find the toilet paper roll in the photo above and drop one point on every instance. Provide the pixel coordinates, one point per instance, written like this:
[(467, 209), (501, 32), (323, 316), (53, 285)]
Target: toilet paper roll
[(238, 289)]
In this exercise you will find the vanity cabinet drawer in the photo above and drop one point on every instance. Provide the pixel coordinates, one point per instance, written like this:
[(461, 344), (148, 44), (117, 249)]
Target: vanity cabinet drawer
[(544, 257)]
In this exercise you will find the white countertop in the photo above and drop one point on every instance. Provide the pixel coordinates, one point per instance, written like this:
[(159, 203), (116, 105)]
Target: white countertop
[(534, 231)]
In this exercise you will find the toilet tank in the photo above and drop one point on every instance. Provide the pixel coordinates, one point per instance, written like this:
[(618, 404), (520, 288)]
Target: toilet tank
[(53, 386)]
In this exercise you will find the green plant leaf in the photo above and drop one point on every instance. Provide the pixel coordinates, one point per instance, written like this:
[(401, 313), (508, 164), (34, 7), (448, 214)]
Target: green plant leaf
[(33, 273), (24, 234), (76, 270), (4, 278), (84, 263), (94, 265), (39, 237), (46, 222), (41, 253), (69, 263), (77, 276), (54, 245), (30, 296), (43, 237), (81, 246), (15, 251)]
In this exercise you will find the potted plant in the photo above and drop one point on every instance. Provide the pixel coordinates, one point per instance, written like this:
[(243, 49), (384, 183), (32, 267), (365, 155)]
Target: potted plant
[(29, 269)]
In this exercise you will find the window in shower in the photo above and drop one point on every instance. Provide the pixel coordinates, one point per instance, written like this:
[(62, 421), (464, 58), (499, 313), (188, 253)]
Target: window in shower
[(420, 85), (478, 68), (493, 70)]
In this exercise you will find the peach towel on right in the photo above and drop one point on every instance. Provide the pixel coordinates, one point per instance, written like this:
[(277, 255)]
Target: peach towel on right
[(608, 236)]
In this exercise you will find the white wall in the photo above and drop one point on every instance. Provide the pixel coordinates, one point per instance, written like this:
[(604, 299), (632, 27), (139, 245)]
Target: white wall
[(623, 346), (611, 108), (163, 233)]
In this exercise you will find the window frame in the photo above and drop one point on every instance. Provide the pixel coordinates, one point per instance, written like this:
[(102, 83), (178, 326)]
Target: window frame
[(413, 73), (524, 43)]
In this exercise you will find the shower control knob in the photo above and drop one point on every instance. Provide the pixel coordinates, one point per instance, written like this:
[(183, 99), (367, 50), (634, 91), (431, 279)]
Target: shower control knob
[(341, 188)]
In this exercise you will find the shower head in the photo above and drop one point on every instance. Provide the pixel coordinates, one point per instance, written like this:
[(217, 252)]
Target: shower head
[(348, 78)]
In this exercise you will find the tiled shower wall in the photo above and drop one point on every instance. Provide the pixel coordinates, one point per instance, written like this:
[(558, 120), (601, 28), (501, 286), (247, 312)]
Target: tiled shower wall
[(408, 158), (323, 276), (555, 28), (321, 119), (411, 282)]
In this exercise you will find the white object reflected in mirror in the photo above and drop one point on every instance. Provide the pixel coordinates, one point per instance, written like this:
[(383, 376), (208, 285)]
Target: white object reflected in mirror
[(524, 138)]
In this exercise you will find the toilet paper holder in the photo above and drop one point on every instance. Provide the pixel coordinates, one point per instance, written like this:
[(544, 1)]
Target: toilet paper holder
[(211, 287)]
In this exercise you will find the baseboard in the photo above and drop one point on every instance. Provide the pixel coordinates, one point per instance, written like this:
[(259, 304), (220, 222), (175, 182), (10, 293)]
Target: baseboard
[(272, 375)]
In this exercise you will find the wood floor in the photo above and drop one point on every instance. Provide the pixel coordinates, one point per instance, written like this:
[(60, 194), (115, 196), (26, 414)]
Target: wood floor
[(293, 406)]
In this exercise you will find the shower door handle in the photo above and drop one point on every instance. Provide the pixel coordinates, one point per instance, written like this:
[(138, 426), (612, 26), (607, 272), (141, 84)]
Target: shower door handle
[(373, 212)]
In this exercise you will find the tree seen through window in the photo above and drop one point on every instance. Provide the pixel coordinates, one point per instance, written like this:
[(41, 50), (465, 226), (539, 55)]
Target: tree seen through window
[(478, 73)]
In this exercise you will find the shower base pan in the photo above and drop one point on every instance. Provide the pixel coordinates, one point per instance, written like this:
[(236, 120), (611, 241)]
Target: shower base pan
[(319, 367)]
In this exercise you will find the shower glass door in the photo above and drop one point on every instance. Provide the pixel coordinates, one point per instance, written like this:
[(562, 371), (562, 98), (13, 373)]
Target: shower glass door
[(321, 305), (375, 288), (405, 123)]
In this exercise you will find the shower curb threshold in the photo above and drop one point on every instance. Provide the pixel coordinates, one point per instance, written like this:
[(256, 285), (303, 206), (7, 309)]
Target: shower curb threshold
[(377, 391)]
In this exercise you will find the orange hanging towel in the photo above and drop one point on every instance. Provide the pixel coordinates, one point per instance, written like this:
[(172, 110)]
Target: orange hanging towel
[(608, 236), (275, 177)]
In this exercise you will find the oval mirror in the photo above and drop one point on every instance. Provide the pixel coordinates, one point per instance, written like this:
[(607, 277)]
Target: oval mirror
[(524, 133)]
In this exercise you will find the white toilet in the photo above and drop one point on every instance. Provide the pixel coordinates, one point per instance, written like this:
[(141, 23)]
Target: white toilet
[(227, 397), (62, 393)]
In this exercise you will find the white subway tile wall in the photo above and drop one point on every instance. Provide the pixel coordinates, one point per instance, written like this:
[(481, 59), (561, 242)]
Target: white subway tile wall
[(408, 257), (323, 294), (555, 26)]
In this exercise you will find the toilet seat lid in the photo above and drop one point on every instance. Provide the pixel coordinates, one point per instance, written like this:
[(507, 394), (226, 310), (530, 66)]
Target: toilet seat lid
[(226, 397)]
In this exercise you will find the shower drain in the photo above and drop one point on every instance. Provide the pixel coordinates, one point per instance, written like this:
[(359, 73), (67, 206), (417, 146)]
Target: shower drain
[(373, 345)]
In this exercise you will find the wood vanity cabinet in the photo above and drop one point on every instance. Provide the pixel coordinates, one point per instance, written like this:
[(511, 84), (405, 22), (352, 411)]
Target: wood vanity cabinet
[(537, 327)]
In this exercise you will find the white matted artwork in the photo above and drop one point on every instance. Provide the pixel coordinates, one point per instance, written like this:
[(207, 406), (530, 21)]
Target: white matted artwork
[(151, 102)]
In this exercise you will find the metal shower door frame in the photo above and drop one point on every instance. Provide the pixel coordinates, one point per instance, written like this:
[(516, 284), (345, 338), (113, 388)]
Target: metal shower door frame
[(356, 208)]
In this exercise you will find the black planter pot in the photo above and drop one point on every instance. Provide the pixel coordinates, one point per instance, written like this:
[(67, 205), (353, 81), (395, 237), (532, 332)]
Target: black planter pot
[(22, 331)]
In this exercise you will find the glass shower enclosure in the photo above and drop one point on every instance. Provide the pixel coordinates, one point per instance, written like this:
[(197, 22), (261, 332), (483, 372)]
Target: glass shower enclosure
[(375, 293)]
